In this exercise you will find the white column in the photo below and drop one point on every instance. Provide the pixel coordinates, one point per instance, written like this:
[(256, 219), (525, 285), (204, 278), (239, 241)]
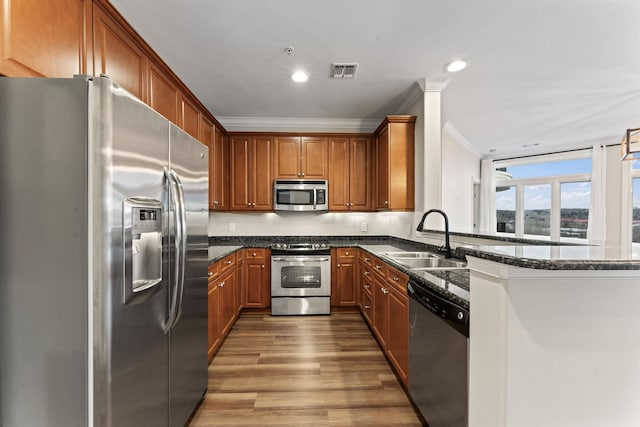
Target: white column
[(433, 148)]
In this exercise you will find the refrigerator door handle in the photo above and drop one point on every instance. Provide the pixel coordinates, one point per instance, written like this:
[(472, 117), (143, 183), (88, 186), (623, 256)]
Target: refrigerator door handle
[(173, 188), (183, 246)]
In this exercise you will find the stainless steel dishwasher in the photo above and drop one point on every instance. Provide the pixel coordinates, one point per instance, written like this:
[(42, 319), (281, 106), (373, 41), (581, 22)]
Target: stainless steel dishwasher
[(438, 358)]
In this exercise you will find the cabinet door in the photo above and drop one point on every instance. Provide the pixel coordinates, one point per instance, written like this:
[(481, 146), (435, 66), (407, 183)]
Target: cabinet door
[(380, 296), (240, 193), (359, 174), (398, 337), (262, 181), (382, 170), (117, 55), (207, 134), (213, 319), (314, 157), (287, 158), (339, 174), (189, 117), (401, 166), (220, 170), (227, 301), (44, 38), (163, 94), (255, 282), (344, 290)]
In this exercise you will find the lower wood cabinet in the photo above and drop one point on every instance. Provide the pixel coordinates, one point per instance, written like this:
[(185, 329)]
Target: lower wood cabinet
[(222, 311), (344, 291), (384, 305), (256, 291)]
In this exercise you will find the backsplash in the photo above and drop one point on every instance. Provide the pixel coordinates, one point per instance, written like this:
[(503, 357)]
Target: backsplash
[(399, 224)]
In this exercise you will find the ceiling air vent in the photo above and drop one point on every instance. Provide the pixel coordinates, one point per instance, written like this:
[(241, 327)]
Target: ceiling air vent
[(343, 71)]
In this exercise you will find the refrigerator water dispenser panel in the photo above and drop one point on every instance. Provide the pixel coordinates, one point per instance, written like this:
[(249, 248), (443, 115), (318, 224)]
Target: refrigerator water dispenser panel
[(142, 221)]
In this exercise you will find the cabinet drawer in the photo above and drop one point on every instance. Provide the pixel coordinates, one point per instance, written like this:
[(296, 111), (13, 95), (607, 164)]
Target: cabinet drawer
[(397, 279), (255, 253), (227, 262), (213, 272), (367, 307), (346, 252), (379, 267), (366, 257)]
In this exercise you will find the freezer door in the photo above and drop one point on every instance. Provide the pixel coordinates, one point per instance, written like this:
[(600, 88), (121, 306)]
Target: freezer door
[(130, 228), (188, 336)]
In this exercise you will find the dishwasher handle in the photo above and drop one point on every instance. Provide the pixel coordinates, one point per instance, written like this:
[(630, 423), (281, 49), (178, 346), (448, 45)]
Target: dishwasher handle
[(456, 316)]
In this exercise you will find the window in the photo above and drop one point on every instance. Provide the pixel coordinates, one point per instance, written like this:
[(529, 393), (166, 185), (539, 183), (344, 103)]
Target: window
[(635, 215), (544, 197)]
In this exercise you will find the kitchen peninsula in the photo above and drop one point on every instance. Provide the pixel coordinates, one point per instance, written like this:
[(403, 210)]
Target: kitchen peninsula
[(554, 336)]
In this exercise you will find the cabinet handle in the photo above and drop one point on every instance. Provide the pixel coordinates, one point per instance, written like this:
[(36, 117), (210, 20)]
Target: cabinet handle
[(378, 267), (347, 253), (262, 266), (254, 254), (384, 291), (222, 284), (396, 278), (367, 259), (249, 204), (386, 202), (338, 266), (302, 174), (367, 286), (215, 202), (367, 307), (366, 273)]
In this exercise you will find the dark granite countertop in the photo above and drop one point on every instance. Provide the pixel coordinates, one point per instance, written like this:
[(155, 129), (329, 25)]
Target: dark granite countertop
[(216, 253)]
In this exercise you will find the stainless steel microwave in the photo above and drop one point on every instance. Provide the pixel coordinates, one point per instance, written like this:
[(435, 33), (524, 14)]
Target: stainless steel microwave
[(300, 195)]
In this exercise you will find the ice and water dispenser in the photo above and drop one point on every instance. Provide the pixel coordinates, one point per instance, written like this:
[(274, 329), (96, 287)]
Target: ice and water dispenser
[(142, 220)]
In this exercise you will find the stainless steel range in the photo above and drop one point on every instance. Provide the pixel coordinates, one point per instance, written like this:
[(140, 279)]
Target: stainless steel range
[(300, 278)]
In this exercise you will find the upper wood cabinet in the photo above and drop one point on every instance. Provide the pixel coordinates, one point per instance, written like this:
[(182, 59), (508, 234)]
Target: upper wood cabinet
[(298, 157), (189, 118), (349, 174), (117, 55), (163, 94), (394, 155), (251, 186), (44, 38), (218, 143)]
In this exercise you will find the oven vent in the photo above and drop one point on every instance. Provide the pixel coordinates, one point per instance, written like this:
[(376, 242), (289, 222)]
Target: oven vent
[(343, 71)]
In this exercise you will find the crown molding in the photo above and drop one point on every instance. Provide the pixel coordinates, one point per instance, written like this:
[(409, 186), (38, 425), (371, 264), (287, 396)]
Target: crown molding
[(298, 124), (459, 138), (433, 85), (414, 94)]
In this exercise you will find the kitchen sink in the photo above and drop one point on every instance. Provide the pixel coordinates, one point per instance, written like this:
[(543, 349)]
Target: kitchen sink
[(409, 254), (424, 261)]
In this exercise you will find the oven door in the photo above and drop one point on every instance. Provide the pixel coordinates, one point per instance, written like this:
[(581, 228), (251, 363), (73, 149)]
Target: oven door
[(300, 276)]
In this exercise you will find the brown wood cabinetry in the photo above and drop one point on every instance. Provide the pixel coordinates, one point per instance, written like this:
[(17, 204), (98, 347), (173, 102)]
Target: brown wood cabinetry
[(214, 138), (251, 173), (394, 163), (256, 278), (44, 38), (350, 174), (163, 94), (343, 277), (189, 118), (298, 157), (384, 304), (223, 283), (117, 55)]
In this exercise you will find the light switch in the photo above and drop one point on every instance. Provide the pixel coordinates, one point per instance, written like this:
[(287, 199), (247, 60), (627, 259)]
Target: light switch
[(232, 226)]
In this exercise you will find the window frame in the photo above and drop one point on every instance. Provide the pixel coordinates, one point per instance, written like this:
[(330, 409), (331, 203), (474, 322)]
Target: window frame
[(555, 181)]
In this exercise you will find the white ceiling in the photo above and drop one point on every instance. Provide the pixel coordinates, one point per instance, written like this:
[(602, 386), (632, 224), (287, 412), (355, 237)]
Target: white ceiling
[(559, 73)]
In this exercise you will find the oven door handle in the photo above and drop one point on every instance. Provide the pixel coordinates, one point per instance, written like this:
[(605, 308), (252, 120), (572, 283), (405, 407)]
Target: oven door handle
[(299, 259)]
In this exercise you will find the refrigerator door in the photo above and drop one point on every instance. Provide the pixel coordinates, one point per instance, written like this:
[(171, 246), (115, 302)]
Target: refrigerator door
[(188, 335), (43, 261), (131, 256)]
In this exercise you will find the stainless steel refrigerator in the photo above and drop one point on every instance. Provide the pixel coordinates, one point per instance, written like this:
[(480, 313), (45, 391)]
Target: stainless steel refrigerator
[(103, 266)]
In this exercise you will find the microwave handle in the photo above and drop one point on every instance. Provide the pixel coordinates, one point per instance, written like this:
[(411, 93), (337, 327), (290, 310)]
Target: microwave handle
[(315, 198)]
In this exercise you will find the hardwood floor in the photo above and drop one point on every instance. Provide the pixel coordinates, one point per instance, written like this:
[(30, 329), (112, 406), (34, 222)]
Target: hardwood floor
[(302, 371)]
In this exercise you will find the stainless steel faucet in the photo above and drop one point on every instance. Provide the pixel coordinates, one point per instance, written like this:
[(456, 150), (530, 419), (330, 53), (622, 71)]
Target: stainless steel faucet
[(447, 244)]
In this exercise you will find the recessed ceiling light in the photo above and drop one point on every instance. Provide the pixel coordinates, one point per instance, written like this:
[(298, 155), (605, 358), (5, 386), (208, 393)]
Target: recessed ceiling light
[(299, 76), (454, 66)]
